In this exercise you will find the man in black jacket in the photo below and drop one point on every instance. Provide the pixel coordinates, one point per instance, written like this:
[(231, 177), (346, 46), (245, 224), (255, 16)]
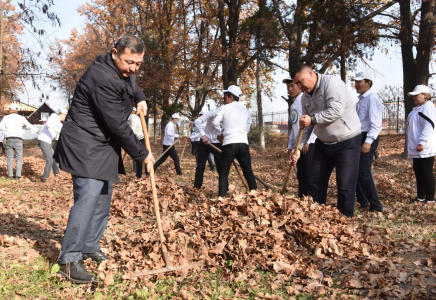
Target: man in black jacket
[(89, 148)]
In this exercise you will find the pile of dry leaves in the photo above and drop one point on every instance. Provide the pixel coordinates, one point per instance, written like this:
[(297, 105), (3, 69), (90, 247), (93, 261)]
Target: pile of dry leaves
[(309, 247)]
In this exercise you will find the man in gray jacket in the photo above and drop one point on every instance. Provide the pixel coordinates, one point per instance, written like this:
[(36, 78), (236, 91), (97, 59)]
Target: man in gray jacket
[(328, 108)]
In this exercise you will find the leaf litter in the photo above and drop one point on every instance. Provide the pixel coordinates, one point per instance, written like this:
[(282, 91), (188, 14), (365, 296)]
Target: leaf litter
[(301, 245)]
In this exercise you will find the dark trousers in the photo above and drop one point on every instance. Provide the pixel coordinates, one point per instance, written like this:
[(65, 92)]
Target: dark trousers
[(203, 156), (425, 184), (138, 164), (88, 218), (366, 193), (304, 164), (241, 152), (196, 146), (173, 154), (344, 156)]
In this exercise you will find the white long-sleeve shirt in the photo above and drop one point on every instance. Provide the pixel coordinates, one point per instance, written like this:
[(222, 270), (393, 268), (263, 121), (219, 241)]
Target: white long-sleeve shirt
[(296, 113), (236, 123), (169, 134), (195, 135), (420, 130), (13, 125), (51, 129), (135, 123), (206, 127), (369, 109)]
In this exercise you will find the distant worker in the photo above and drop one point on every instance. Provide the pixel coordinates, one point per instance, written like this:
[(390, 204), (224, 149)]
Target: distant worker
[(135, 123), (236, 121), (421, 143), (169, 137), (205, 126), (13, 125), (304, 164), (369, 110), (49, 132)]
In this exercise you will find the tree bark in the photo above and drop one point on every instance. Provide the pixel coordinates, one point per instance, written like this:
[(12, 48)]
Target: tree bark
[(259, 107)]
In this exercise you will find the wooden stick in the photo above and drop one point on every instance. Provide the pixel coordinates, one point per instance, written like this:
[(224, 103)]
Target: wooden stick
[(163, 153), (297, 144), (155, 200), (257, 178), (183, 152)]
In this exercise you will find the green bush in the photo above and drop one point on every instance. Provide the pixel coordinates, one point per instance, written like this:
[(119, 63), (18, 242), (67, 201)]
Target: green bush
[(253, 136)]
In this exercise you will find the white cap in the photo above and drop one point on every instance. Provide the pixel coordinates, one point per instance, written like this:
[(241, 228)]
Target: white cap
[(43, 119), (134, 108), (287, 80), (201, 113), (418, 90), (235, 90), (175, 116), (13, 106), (63, 111), (362, 75)]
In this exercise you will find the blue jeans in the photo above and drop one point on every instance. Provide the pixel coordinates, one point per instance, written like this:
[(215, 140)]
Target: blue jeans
[(14, 145), (241, 152), (344, 156), (366, 193), (88, 218), (50, 163)]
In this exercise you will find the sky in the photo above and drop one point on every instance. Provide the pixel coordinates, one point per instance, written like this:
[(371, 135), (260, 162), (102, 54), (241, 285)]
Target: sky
[(386, 69)]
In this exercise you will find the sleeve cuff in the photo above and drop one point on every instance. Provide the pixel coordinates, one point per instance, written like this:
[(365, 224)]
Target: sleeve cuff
[(313, 120), (369, 140)]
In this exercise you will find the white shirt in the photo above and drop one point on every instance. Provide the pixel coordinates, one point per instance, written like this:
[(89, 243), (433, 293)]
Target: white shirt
[(169, 134), (369, 109), (2, 136), (195, 134), (206, 127), (296, 113), (420, 130), (51, 129), (13, 125), (236, 122), (135, 122)]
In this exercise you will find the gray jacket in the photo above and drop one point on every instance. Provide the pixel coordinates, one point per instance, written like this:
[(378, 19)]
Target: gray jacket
[(332, 110)]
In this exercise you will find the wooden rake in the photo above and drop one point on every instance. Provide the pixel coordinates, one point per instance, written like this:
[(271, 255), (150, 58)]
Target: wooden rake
[(297, 144), (168, 267)]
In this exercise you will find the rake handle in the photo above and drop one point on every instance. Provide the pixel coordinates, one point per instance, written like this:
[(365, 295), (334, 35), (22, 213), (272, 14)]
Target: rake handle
[(297, 144), (155, 200)]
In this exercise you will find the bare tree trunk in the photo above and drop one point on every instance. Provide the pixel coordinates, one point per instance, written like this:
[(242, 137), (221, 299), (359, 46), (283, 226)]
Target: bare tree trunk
[(259, 107)]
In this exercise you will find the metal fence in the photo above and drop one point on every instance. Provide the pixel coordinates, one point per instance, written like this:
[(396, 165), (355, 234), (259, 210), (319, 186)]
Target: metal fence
[(393, 118)]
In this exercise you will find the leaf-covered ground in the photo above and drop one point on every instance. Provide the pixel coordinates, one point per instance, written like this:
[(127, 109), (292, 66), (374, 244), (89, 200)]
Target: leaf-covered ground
[(248, 246)]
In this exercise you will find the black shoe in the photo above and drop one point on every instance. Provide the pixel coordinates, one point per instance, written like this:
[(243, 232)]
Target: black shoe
[(43, 179), (76, 273), (18, 178), (98, 256), (415, 200), (428, 201), (375, 210)]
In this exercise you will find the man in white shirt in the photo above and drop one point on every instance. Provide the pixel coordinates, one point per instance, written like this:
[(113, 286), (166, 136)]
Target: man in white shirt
[(135, 123), (369, 109), (205, 126), (13, 125), (49, 131), (305, 162), (236, 122), (167, 142)]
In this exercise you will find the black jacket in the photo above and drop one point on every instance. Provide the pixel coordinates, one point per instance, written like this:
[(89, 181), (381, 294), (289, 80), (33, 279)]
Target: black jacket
[(96, 126)]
